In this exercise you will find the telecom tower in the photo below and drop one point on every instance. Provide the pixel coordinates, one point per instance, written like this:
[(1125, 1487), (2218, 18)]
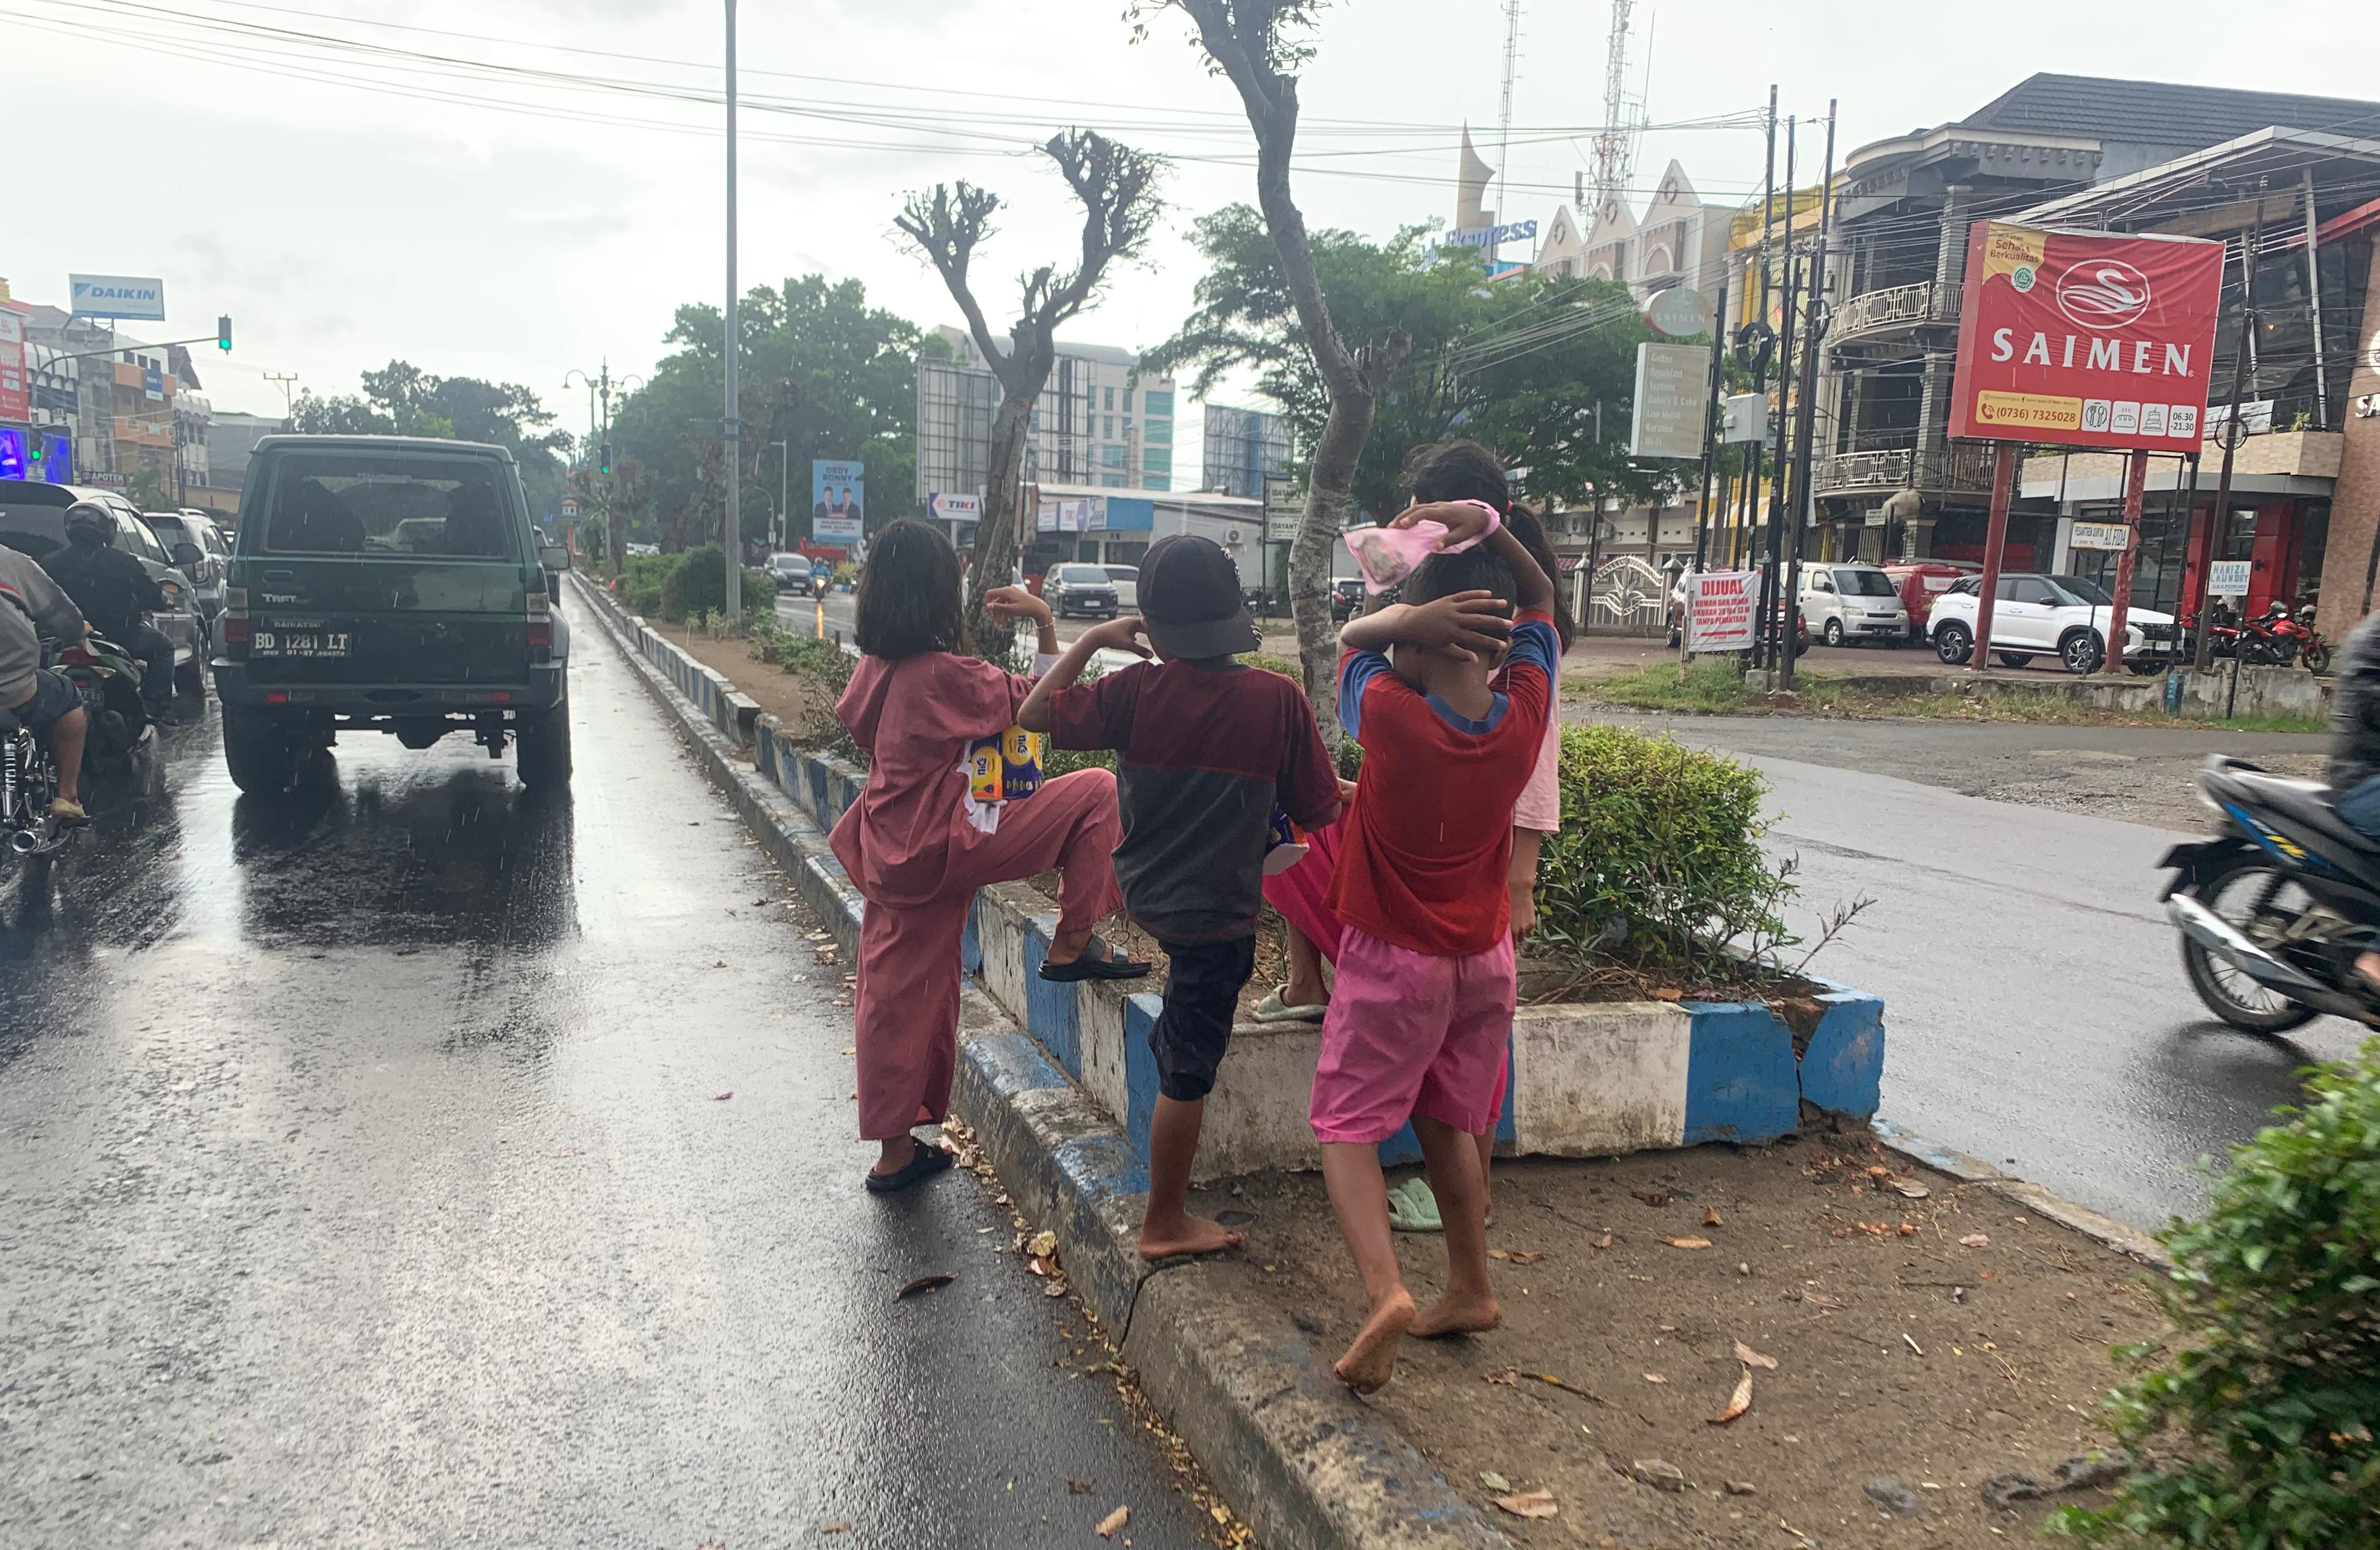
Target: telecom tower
[(1504, 115), (1615, 147)]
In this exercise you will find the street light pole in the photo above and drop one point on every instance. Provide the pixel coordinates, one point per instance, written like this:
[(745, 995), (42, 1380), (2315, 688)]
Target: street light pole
[(732, 428)]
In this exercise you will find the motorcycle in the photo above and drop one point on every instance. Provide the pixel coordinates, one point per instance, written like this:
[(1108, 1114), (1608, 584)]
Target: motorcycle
[(821, 582), (2281, 637), (108, 683), (2275, 906), (28, 782)]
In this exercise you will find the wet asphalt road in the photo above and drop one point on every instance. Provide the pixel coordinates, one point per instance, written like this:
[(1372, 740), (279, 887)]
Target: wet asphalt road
[(2035, 1002), (363, 1181)]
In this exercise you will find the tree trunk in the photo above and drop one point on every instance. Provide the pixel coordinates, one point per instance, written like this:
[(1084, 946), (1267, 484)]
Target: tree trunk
[(997, 536), (1329, 477)]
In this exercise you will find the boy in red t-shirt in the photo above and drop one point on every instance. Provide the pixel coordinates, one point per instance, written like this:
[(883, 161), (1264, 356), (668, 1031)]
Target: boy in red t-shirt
[(1422, 1005)]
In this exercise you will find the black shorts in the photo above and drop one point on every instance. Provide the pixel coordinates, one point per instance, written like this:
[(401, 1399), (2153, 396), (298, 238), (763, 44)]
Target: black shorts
[(1202, 997)]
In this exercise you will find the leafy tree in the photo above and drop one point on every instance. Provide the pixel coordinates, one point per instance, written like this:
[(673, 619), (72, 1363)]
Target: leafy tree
[(1519, 364), (818, 369), (145, 487), (1117, 187), (404, 400)]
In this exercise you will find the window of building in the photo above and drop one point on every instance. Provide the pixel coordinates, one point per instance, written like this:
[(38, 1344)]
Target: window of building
[(1107, 433), (1112, 481), (1158, 433), (1156, 460), (1127, 427), (1128, 400), (1111, 397), (1156, 401), (1110, 457)]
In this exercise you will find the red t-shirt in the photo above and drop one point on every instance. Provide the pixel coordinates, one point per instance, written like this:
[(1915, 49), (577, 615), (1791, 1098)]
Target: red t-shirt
[(1424, 856)]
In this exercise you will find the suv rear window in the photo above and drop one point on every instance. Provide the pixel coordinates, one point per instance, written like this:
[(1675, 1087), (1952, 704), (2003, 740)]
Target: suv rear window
[(37, 532), (355, 503)]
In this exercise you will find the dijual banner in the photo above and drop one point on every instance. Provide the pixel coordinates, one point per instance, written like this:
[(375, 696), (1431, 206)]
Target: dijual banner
[(2084, 339), (1720, 606), (838, 501)]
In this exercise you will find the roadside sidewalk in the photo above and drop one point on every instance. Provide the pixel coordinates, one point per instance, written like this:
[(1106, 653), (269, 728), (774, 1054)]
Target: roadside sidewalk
[(1236, 1354)]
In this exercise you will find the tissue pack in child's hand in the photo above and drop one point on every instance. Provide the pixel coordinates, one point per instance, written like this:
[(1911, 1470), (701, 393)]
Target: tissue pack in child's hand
[(1006, 768), (1387, 556), (1283, 849)]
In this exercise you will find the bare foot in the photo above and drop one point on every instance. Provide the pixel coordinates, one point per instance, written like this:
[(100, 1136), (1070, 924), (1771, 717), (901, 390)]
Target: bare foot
[(1450, 1316), (1371, 1361), (1186, 1235)]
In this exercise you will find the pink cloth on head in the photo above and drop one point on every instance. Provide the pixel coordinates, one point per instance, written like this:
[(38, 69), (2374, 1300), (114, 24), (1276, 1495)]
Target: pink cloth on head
[(1540, 804), (1302, 892), (1411, 1035)]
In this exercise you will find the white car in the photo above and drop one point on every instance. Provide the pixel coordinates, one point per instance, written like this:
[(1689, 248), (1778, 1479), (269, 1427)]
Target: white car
[(1125, 577), (2032, 614), (1841, 602)]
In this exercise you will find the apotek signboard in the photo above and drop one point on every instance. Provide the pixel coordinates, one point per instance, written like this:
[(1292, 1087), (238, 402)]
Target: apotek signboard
[(2084, 339), (116, 296)]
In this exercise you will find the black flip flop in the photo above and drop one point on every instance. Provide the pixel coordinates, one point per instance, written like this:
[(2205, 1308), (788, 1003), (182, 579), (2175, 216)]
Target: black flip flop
[(1094, 964), (928, 1160)]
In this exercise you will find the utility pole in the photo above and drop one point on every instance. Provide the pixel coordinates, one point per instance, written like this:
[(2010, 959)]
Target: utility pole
[(731, 428), (1710, 458), (1805, 379), (1773, 607), (2220, 521), (287, 382)]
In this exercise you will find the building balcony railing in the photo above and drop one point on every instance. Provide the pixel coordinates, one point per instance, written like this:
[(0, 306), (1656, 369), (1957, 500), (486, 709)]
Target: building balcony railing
[(1897, 306), (1958, 468)]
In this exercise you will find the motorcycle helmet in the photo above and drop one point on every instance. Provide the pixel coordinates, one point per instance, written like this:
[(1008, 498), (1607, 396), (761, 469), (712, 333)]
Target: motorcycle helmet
[(93, 521)]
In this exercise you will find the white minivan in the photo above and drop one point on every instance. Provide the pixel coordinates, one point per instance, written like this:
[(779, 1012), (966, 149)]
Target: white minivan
[(1843, 602)]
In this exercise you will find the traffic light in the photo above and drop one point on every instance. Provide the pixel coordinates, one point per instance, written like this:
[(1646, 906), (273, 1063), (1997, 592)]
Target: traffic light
[(606, 465), (223, 333)]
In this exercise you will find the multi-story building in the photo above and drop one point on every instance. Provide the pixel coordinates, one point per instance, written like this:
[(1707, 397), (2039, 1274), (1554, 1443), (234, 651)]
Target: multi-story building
[(1888, 481), (1099, 422), (1679, 240), (1242, 448), (231, 440)]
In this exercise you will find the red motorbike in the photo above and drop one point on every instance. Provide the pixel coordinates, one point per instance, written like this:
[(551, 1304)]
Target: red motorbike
[(2280, 636)]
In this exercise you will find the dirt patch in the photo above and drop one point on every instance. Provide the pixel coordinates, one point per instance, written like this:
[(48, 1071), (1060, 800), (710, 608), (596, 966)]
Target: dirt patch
[(1902, 1352), (791, 698)]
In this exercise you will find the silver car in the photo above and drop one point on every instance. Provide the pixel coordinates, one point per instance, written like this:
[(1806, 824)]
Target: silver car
[(33, 522)]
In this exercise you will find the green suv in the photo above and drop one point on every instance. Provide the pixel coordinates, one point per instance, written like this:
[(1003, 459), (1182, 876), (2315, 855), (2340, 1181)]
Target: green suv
[(388, 584)]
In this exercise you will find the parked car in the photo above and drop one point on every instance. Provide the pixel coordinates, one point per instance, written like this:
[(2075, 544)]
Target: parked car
[(1079, 587), (1346, 598), (1846, 602), (388, 584), (32, 521), (207, 568), (1920, 582), (647, 550), (790, 572), (2034, 614), (1126, 579)]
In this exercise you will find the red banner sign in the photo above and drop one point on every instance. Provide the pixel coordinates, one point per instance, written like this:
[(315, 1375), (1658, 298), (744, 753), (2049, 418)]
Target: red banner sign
[(2084, 339), (16, 389)]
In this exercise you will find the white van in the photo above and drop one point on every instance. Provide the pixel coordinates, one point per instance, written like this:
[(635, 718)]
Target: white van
[(1844, 602)]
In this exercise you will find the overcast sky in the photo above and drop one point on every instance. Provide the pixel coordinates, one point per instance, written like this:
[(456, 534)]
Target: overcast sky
[(342, 225)]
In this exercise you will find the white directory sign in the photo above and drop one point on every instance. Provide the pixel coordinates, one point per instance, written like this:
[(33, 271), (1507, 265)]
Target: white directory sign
[(1671, 417), (2229, 577), (2102, 535)]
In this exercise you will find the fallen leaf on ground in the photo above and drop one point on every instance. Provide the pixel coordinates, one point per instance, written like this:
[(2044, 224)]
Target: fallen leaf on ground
[(1504, 1375), (841, 1525), (1492, 1254), (1037, 1264), (1744, 1353), (925, 1284), (1074, 1487), (1734, 1487), (1655, 1377), (1520, 1256), (1055, 1288), (723, 1097), (1529, 1504), (1488, 1478), (1114, 1520), (1603, 1242), (1908, 1187), (1652, 1196), (1687, 1243), (1738, 1402), (1042, 1244), (1974, 1240), (1711, 1218)]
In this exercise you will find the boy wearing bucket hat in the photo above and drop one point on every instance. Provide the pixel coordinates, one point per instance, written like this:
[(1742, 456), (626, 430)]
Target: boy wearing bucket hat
[(1206, 748)]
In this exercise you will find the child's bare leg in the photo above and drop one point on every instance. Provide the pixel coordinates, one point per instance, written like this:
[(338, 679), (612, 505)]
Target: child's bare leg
[(1453, 1158), (1167, 1228), (1305, 987), (1486, 1140), (1359, 1198)]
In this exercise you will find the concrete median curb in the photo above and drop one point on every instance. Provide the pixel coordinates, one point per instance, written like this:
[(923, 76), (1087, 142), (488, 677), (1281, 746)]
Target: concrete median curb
[(2125, 1239), (1308, 1465)]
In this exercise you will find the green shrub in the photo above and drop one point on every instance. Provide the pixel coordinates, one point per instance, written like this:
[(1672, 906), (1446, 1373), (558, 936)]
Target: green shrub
[(698, 584), (2268, 1392), (1658, 861), (641, 583)]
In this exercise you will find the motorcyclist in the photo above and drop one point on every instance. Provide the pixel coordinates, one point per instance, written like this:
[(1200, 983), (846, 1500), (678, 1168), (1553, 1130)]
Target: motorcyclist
[(32, 604), (2355, 747), (114, 590)]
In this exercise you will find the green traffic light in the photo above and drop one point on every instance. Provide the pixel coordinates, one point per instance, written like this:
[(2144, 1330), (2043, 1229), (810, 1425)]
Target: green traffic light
[(223, 333)]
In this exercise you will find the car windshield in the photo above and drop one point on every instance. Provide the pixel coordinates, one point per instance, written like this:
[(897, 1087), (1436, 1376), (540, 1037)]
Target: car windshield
[(374, 505), (2074, 590), (1857, 583), (1080, 574), (169, 530), (783, 562)]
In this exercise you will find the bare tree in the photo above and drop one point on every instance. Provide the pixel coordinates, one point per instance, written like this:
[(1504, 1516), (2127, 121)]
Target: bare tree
[(1256, 44), (1117, 187)]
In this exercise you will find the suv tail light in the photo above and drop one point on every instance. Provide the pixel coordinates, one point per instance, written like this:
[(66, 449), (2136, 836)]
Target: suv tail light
[(541, 622), (233, 627)]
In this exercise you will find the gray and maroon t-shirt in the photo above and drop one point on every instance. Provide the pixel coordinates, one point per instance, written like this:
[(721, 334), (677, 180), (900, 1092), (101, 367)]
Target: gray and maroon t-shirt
[(1203, 755)]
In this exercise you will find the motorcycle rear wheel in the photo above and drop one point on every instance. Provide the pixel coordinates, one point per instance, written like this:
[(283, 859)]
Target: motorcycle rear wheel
[(2233, 893), (2316, 658)]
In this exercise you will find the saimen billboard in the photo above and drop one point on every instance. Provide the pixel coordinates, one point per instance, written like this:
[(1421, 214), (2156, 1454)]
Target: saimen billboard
[(2085, 338)]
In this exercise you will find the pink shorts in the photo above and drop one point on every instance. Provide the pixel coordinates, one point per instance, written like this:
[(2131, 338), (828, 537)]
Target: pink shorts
[(1409, 1034)]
